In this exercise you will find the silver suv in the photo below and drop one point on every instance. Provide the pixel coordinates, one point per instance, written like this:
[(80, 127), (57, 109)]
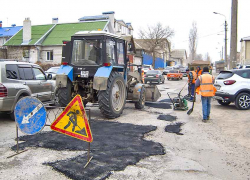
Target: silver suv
[(19, 79)]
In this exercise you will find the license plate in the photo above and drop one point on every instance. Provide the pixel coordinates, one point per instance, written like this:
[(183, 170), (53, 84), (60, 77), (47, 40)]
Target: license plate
[(85, 74), (150, 76), (171, 75)]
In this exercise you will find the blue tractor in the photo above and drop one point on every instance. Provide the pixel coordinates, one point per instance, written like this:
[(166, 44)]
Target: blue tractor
[(95, 65)]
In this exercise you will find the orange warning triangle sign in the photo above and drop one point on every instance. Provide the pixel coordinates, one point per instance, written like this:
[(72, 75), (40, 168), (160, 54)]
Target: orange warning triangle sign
[(73, 121)]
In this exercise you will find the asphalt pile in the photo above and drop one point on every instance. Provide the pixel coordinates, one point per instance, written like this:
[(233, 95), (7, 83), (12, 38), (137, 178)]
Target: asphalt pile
[(114, 147)]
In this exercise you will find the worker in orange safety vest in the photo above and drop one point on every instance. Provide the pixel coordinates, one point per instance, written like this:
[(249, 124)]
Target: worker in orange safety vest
[(192, 76), (198, 71), (204, 86)]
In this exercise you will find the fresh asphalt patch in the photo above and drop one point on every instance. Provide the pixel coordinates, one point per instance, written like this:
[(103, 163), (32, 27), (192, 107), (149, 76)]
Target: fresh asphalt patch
[(167, 117), (165, 101), (159, 105), (174, 128), (114, 147)]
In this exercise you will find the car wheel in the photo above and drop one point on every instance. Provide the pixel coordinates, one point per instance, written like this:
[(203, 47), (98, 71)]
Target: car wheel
[(168, 78), (223, 103), (243, 101)]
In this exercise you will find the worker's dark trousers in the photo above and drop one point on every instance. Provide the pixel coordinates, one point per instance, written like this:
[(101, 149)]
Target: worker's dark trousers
[(192, 91)]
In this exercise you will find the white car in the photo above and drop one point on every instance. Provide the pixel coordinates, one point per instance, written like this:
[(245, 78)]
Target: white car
[(233, 86), (53, 71), (167, 69), (145, 68)]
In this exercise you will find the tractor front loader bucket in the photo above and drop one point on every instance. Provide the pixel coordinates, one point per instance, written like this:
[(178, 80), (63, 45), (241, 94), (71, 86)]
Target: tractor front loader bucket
[(152, 93)]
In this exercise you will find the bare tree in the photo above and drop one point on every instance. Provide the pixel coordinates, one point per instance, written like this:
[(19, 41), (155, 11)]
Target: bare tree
[(193, 40), (156, 38), (198, 57), (207, 57)]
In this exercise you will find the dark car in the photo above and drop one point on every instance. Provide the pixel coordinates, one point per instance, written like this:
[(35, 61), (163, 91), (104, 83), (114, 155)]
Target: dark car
[(154, 76)]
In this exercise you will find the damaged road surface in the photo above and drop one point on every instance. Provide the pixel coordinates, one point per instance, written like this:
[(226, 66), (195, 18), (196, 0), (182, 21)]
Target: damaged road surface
[(115, 146)]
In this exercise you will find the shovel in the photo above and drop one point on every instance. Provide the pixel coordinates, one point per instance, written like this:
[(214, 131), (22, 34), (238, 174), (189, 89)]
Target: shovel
[(191, 110)]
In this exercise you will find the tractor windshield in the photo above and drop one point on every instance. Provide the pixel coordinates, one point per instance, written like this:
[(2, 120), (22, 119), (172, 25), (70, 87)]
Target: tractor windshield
[(87, 52)]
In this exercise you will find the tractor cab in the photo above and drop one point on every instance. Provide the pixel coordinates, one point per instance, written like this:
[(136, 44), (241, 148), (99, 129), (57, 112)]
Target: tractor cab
[(92, 50)]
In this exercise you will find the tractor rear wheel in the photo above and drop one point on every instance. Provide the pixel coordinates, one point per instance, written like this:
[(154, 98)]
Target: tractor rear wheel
[(64, 94), (112, 100)]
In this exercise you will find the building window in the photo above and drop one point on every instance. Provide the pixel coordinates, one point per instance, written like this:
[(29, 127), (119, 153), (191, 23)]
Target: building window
[(26, 53), (49, 56)]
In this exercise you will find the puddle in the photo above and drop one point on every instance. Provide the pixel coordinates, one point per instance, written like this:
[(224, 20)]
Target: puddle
[(174, 128)]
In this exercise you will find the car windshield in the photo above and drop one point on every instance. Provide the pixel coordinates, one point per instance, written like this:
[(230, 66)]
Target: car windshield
[(53, 70), (173, 71), (152, 72), (87, 52), (225, 75)]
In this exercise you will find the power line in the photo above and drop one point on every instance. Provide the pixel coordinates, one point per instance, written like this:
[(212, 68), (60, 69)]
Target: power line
[(203, 36)]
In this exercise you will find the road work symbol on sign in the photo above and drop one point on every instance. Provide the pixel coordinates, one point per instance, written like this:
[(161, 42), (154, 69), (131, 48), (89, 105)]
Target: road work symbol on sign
[(73, 121), (30, 115)]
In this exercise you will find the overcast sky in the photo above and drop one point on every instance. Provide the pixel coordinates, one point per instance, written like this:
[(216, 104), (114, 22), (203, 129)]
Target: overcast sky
[(177, 14)]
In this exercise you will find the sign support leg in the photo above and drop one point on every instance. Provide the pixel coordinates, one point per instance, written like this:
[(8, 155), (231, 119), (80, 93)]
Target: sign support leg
[(17, 145), (89, 158)]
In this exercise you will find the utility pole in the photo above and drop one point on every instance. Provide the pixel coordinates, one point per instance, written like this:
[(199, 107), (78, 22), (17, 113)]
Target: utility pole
[(233, 44), (226, 61), (222, 53)]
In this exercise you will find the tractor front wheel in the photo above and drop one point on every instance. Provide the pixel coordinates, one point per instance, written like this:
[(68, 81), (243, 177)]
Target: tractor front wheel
[(64, 95), (141, 103), (112, 100)]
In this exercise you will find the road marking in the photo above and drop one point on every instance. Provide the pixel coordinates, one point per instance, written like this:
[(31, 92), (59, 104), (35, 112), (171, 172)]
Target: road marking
[(26, 118)]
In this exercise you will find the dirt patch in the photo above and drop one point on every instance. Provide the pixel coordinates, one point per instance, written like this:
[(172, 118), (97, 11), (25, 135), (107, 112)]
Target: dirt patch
[(174, 128), (158, 105), (115, 146), (166, 117)]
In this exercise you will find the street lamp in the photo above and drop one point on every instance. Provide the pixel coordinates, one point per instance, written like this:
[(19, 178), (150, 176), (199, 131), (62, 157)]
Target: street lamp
[(225, 37)]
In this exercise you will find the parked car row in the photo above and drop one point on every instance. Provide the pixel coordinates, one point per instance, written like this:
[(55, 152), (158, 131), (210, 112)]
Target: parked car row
[(20, 79)]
